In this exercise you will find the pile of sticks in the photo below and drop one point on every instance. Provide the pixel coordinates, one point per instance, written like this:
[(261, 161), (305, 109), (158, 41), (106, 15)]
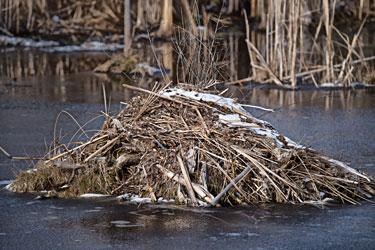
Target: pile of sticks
[(198, 149)]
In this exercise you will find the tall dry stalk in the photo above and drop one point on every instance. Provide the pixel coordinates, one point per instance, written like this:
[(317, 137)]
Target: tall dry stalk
[(294, 33), (189, 16), (328, 17), (166, 24), (127, 27)]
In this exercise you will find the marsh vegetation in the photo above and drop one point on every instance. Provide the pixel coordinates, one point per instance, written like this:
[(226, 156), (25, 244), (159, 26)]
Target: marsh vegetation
[(289, 43), (185, 139)]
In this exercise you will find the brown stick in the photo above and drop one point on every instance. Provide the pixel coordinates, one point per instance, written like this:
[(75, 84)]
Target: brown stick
[(5, 152), (78, 147), (109, 143), (188, 185), (202, 193), (19, 157), (189, 15), (202, 121), (230, 185)]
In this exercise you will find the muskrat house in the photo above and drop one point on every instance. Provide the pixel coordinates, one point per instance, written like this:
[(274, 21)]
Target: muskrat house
[(196, 148)]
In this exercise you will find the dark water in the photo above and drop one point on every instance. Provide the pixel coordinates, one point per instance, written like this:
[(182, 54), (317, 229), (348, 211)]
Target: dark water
[(338, 123)]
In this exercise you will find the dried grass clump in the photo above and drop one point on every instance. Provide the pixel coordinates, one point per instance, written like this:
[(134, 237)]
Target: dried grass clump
[(196, 148)]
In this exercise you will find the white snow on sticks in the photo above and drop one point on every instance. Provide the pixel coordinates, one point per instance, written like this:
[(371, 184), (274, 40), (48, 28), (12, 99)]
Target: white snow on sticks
[(211, 98), (234, 121), (131, 198), (237, 120), (135, 199)]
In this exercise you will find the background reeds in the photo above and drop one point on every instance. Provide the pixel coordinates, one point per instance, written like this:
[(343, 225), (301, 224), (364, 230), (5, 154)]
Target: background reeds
[(289, 42)]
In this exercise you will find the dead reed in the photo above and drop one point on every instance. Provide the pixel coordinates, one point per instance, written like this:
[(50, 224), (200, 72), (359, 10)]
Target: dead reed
[(198, 60), (289, 54)]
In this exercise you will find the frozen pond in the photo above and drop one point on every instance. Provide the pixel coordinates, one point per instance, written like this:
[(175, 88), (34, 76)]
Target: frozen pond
[(338, 123)]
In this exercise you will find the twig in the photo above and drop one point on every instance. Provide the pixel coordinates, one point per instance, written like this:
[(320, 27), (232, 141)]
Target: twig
[(188, 185), (202, 121), (76, 148), (5, 152), (202, 193), (23, 158), (247, 79), (230, 185), (109, 143), (257, 107), (263, 170)]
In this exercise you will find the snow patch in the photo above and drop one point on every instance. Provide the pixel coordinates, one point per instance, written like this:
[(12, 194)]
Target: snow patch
[(93, 195), (133, 198), (25, 42), (211, 98), (87, 46)]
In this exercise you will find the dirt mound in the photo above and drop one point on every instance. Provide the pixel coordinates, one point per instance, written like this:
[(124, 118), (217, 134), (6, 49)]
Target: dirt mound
[(196, 148)]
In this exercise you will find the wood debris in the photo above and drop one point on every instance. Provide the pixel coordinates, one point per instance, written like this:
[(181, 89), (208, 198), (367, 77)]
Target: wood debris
[(196, 148)]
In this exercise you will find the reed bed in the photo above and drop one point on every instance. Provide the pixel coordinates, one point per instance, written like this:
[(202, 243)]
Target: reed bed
[(290, 54), (196, 148), (61, 18), (301, 41)]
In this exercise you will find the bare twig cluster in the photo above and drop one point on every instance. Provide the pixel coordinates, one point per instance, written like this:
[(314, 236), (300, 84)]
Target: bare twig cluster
[(197, 59)]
